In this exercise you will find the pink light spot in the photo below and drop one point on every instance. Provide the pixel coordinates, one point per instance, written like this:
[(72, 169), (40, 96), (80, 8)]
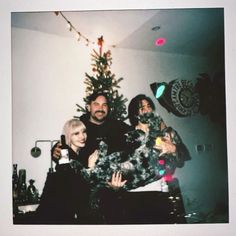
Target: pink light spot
[(168, 178), (161, 162), (160, 42)]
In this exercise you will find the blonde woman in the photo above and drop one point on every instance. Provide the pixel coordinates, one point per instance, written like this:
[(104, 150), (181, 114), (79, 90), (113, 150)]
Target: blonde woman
[(76, 137), (66, 194)]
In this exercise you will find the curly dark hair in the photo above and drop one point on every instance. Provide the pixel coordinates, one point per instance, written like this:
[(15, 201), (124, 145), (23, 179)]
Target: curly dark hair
[(134, 105), (92, 97)]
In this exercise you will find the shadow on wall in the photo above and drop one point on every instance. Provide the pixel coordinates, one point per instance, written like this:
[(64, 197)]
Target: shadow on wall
[(218, 214), (212, 97)]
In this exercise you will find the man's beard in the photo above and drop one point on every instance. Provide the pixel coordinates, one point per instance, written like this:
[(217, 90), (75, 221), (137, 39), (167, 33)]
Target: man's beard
[(99, 119)]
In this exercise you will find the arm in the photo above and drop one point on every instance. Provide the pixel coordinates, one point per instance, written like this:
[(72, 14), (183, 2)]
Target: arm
[(171, 143), (92, 159), (165, 145), (56, 153)]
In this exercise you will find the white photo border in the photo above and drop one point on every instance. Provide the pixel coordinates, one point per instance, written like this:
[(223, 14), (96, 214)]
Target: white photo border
[(7, 227)]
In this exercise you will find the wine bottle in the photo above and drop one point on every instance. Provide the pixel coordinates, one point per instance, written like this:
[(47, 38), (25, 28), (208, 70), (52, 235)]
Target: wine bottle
[(32, 192), (14, 183), (22, 191), (64, 151)]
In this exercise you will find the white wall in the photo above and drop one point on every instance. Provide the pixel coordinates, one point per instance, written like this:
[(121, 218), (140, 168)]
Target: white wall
[(203, 180), (48, 74)]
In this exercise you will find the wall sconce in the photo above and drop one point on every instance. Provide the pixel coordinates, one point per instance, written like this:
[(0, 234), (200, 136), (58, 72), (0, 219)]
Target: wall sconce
[(161, 92), (36, 151), (159, 89)]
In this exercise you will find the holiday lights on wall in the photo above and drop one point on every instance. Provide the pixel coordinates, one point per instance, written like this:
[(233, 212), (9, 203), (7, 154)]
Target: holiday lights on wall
[(79, 35)]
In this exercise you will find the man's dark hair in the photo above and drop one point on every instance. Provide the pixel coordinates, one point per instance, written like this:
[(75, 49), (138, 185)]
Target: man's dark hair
[(94, 96), (134, 105)]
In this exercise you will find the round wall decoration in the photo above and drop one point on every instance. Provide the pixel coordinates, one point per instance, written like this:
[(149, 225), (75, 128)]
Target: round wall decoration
[(184, 98)]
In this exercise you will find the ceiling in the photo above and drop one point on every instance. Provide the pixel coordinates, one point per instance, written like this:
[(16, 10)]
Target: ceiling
[(197, 32)]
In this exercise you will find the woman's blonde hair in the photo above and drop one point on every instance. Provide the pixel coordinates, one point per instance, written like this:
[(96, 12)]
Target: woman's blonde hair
[(69, 127)]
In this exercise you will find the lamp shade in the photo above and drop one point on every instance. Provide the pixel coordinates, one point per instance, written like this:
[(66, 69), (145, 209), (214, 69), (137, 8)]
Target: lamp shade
[(35, 152), (158, 89)]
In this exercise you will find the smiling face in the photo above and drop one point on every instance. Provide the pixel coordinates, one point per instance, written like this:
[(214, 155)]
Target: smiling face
[(98, 110), (144, 107), (75, 133), (78, 138)]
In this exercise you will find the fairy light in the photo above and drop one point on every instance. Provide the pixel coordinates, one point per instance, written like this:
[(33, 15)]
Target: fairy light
[(161, 162), (161, 172), (69, 26), (168, 178), (79, 35), (87, 42)]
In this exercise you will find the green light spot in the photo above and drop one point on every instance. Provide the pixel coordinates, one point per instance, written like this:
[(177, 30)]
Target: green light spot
[(161, 172), (160, 91)]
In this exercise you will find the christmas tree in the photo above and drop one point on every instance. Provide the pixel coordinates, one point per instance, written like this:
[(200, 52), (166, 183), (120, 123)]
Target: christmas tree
[(103, 80)]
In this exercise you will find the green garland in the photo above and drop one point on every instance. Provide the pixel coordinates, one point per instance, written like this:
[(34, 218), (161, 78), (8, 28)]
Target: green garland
[(140, 166)]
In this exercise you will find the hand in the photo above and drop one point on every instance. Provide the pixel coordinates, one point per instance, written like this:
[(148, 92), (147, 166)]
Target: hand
[(116, 182), (92, 159), (165, 145), (57, 151), (143, 127)]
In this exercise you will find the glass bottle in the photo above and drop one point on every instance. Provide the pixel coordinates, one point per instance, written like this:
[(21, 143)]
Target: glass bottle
[(15, 189), (22, 188), (64, 151), (32, 192), (14, 182)]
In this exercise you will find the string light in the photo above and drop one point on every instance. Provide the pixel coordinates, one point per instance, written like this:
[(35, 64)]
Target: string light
[(87, 42), (161, 172), (69, 26), (78, 34)]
